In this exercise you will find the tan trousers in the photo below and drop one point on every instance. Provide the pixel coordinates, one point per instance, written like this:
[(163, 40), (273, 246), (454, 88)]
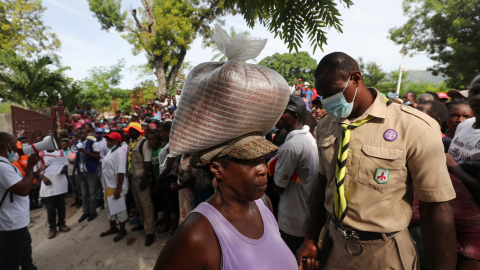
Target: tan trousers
[(144, 204), (395, 252)]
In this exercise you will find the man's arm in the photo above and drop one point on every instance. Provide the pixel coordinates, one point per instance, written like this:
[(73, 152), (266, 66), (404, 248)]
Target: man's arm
[(146, 173), (318, 218), (439, 236), (22, 187)]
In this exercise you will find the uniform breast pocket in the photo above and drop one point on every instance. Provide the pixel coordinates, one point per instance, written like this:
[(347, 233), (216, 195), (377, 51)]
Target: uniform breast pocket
[(326, 150), (382, 168)]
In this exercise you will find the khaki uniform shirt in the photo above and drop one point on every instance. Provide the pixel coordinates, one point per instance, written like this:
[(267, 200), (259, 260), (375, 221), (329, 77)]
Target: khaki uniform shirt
[(414, 160)]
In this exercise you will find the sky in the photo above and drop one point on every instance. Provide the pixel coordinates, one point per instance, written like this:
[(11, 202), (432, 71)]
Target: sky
[(365, 34)]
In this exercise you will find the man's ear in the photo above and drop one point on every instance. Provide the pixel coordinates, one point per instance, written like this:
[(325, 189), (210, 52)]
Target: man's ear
[(357, 77)]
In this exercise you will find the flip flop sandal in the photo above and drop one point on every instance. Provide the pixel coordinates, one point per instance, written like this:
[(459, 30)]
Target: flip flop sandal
[(107, 234)]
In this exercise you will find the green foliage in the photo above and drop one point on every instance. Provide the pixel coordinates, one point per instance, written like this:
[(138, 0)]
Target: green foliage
[(22, 31), (446, 29), (31, 82), (291, 20), (162, 29), (372, 73), (101, 86), (292, 66)]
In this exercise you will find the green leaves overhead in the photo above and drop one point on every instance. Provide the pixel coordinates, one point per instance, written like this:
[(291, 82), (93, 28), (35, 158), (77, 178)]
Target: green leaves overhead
[(31, 81), (22, 31), (449, 31), (292, 66), (291, 20)]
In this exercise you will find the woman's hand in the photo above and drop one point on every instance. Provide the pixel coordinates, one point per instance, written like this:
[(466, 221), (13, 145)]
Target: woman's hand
[(117, 196)]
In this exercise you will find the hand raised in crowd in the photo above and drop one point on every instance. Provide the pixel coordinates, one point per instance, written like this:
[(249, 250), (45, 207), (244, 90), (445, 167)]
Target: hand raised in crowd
[(46, 181), (117, 194), (309, 250)]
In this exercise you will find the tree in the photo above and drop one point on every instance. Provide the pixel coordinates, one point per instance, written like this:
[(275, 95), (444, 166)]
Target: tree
[(291, 20), (292, 66), (29, 81), (221, 56), (101, 85), (446, 29), (22, 29), (162, 29), (372, 73)]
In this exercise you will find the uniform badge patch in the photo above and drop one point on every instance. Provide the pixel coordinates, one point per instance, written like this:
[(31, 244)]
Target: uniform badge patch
[(390, 135), (381, 175)]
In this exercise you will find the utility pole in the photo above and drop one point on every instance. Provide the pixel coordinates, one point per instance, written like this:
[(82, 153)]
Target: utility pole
[(402, 68)]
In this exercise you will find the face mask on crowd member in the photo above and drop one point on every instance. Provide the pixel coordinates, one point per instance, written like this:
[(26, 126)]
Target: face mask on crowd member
[(337, 105)]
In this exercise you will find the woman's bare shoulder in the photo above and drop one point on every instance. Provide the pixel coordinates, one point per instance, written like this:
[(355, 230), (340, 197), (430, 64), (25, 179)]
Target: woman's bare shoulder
[(193, 245)]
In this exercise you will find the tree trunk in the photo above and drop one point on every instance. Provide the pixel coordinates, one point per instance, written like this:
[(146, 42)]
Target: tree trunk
[(160, 73), (176, 68)]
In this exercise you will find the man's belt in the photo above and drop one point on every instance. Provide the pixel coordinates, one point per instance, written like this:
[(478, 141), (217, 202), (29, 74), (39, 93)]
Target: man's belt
[(353, 244)]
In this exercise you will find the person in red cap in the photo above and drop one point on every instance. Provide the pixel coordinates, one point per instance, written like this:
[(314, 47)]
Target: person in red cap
[(115, 183), (138, 169)]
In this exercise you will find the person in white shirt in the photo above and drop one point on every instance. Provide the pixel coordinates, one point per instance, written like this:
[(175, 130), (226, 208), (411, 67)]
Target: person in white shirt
[(15, 240), (295, 172), (178, 96), (115, 183), (53, 190)]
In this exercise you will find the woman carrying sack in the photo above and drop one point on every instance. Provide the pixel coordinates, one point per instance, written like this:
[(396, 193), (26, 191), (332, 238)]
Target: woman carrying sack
[(235, 228)]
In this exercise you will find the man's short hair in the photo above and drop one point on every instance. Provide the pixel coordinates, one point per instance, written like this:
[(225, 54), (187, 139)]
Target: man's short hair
[(436, 110), (339, 63), (4, 136)]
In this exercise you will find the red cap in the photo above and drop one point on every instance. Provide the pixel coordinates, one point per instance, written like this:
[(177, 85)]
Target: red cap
[(137, 107), (299, 80), (113, 122), (442, 95), (114, 136)]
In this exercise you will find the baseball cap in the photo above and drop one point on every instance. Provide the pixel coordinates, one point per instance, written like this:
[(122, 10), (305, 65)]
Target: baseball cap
[(135, 114), (143, 106), (99, 130), (299, 79), (307, 83), (137, 107), (113, 122), (114, 136), (455, 94), (296, 105), (442, 95)]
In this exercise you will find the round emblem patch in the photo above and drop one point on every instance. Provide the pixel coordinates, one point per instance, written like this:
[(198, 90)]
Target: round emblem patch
[(390, 135)]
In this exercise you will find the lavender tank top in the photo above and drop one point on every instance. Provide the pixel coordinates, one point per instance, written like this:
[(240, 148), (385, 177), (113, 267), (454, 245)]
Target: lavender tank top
[(240, 252)]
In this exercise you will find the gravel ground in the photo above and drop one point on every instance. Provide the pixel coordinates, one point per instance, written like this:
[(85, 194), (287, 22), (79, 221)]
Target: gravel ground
[(82, 248)]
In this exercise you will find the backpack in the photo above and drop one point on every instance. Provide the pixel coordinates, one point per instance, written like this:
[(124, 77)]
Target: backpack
[(7, 191)]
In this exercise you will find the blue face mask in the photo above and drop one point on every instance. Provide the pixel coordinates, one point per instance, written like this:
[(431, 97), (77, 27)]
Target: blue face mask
[(112, 148), (337, 105), (10, 154)]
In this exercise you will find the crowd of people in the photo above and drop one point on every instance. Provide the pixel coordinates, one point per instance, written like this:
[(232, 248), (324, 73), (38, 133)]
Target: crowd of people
[(344, 181)]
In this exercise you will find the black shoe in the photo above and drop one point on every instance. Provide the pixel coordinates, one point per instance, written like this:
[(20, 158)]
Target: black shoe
[(83, 217), (92, 217), (150, 239), (137, 228)]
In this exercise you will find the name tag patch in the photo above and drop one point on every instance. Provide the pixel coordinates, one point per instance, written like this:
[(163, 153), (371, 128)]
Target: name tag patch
[(382, 175)]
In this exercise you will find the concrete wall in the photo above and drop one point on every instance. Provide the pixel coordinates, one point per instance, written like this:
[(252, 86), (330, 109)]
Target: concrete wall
[(6, 122)]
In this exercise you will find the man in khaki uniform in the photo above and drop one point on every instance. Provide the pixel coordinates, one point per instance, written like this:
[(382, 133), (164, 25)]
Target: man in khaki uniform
[(138, 167), (389, 151)]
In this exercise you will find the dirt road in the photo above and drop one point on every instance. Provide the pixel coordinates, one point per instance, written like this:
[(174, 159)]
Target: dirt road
[(82, 248)]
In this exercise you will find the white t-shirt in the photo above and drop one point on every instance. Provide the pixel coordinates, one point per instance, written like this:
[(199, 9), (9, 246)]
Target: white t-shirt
[(465, 145), (114, 163), (102, 148), (177, 98), (59, 181), (16, 215), (81, 163), (299, 154), (163, 156)]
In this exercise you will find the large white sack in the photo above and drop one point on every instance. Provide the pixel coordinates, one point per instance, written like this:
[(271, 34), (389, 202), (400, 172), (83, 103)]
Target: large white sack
[(225, 100)]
